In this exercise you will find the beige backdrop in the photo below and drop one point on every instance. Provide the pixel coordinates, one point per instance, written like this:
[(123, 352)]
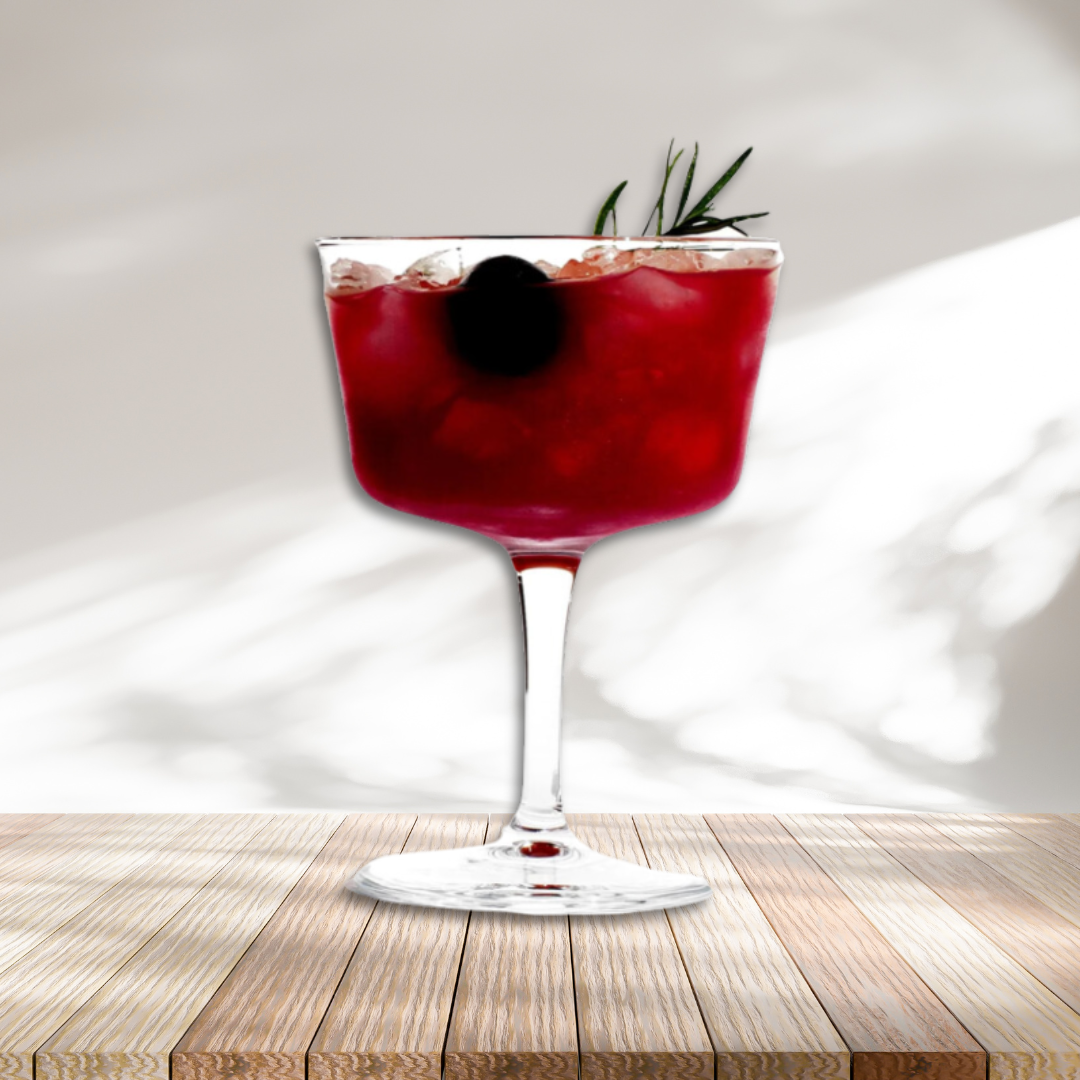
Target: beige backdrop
[(198, 607)]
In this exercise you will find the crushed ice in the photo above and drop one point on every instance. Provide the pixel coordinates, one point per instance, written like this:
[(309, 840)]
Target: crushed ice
[(444, 268), (347, 276), (437, 271), (600, 260)]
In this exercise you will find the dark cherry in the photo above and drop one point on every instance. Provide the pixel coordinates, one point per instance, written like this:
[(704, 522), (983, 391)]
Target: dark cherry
[(503, 320)]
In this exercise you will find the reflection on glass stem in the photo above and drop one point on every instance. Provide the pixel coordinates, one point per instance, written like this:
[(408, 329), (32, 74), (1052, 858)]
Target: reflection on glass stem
[(545, 606)]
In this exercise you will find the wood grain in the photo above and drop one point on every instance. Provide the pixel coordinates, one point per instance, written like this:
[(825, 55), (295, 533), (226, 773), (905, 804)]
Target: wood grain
[(127, 1029), (42, 990), (637, 1016), (1057, 834), (40, 906), (1041, 874), (892, 1022), (262, 1019), (762, 1016), (514, 1007), (224, 946), (15, 826), (1030, 932), (1026, 1030), (26, 858), (389, 1016)]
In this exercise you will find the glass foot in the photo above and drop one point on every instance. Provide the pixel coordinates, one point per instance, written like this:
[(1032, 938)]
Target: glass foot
[(534, 873)]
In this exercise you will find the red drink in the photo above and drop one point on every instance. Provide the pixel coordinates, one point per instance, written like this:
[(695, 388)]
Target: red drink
[(547, 392), (637, 412)]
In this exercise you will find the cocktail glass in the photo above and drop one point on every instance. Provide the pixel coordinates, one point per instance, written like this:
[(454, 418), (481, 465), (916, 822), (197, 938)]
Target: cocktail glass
[(546, 392)]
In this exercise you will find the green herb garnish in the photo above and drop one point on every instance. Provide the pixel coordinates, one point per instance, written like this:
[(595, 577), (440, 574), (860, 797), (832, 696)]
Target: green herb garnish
[(609, 208), (697, 220)]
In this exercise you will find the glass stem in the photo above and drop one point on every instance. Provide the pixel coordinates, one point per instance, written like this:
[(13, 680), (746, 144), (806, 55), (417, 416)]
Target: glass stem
[(545, 605)]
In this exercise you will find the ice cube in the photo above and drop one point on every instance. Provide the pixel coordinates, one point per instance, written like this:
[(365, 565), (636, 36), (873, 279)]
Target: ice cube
[(674, 260), (549, 268), (747, 257), (348, 277), (437, 271), (480, 430), (578, 268), (597, 261)]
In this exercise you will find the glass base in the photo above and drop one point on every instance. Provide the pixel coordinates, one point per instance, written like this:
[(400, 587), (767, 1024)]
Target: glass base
[(549, 872)]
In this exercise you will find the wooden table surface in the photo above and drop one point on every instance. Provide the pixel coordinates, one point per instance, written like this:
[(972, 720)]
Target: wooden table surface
[(200, 947)]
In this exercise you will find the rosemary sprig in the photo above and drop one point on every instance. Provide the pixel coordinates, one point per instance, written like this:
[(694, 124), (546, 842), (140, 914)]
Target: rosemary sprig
[(686, 183), (658, 208), (711, 224), (609, 208), (698, 220)]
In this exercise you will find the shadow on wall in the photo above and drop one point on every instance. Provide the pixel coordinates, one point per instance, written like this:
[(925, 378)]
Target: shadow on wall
[(911, 501), (870, 622), (281, 646), (247, 743), (1036, 760)]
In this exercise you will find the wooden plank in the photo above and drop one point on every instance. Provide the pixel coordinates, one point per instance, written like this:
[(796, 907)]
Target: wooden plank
[(262, 1019), (37, 852), (514, 1008), (43, 989), (15, 826), (892, 1022), (762, 1016), (637, 1016), (36, 909), (1027, 1031), (1040, 873), (127, 1029), (390, 1013), (1030, 932), (1055, 833)]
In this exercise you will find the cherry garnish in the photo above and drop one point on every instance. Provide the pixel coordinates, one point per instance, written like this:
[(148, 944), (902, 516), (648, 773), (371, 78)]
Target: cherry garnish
[(503, 320), (540, 849)]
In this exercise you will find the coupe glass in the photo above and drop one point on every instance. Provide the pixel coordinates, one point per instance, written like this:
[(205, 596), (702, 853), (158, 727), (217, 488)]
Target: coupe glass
[(546, 392)]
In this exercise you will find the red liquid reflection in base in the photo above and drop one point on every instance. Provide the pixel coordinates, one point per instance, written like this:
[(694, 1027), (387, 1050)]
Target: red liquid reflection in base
[(540, 849), (641, 416)]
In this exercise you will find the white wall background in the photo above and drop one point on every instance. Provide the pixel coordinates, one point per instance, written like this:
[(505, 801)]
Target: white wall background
[(197, 607)]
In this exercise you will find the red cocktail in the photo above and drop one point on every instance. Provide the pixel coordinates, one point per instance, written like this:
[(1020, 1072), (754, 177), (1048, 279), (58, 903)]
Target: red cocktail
[(636, 414), (545, 392)]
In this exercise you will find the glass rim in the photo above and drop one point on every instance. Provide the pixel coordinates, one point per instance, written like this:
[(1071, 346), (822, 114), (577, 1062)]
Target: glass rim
[(703, 238)]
